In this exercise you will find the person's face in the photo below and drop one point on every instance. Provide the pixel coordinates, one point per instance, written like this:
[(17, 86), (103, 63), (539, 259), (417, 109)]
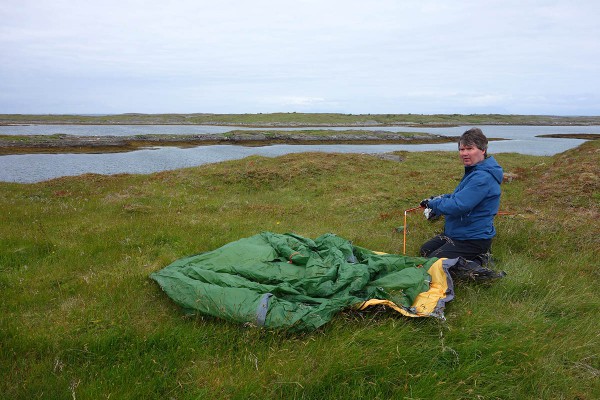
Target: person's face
[(470, 154)]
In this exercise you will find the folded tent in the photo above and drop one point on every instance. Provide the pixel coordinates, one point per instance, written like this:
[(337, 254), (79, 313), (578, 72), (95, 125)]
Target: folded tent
[(286, 281)]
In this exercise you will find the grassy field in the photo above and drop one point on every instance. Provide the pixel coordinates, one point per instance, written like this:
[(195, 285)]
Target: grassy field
[(303, 119), (80, 319)]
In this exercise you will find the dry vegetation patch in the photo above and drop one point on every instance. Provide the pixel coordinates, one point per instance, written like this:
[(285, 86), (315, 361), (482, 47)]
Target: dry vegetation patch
[(573, 173)]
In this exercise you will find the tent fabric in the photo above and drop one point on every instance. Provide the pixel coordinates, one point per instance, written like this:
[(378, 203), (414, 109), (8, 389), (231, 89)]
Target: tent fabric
[(286, 281)]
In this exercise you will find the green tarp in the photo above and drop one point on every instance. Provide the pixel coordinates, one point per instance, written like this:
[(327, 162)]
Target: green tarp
[(292, 282)]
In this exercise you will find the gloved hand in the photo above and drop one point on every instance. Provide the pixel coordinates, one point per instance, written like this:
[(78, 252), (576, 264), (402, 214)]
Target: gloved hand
[(429, 214), (425, 202)]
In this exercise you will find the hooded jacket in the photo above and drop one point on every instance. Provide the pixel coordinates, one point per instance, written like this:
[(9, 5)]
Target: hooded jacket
[(471, 208)]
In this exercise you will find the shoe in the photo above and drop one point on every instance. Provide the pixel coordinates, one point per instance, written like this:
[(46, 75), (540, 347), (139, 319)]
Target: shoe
[(466, 270)]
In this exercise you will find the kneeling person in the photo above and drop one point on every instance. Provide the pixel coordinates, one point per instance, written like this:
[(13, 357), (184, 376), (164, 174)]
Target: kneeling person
[(470, 209)]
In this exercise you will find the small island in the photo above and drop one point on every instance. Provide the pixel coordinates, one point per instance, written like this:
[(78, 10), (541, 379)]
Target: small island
[(318, 130)]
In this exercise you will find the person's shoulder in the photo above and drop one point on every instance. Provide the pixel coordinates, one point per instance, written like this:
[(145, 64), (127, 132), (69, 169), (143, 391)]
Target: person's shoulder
[(490, 166)]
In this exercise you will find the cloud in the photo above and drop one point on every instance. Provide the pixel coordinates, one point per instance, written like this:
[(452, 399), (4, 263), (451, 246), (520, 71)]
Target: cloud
[(298, 103), (303, 55)]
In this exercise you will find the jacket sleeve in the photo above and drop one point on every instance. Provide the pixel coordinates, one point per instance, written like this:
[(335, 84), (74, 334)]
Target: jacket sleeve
[(466, 199)]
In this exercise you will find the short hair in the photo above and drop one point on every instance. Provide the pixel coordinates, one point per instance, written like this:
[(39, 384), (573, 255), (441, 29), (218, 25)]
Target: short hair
[(474, 137)]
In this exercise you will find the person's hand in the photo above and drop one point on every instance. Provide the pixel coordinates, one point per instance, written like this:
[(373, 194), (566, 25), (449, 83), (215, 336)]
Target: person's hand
[(429, 214), (425, 202)]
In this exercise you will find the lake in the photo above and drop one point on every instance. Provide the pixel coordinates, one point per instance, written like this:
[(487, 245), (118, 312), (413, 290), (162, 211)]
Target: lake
[(30, 168)]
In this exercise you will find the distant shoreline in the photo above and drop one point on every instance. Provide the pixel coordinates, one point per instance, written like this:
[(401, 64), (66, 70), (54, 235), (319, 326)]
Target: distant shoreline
[(300, 120), (61, 143), (262, 126), (312, 129), (64, 143)]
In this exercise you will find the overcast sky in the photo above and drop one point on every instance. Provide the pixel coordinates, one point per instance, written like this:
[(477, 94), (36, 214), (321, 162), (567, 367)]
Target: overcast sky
[(343, 56)]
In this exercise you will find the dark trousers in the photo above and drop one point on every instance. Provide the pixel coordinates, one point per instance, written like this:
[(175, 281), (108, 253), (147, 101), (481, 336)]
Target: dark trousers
[(443, 247)]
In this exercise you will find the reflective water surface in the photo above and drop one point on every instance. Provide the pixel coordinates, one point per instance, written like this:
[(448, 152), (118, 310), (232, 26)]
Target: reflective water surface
[(31, 168)]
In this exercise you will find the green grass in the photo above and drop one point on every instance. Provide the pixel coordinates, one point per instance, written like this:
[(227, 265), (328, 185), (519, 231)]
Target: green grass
[(304, 119), (81, 319)]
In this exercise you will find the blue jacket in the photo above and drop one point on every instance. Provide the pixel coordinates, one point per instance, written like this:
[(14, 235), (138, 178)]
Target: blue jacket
[(471, 208)]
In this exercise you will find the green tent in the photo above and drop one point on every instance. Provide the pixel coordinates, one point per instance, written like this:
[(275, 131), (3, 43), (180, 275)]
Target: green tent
[(285, 281)]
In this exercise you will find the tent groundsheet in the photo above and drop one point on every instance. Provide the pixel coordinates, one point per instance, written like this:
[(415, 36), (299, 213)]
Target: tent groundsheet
[(286, 281)]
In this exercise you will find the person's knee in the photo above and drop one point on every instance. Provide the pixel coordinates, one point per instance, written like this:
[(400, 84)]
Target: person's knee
[(427, 249), (442, 252), (430, 246)]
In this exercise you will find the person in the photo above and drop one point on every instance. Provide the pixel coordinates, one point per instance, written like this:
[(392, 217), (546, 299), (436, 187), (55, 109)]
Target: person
[(470, 209)]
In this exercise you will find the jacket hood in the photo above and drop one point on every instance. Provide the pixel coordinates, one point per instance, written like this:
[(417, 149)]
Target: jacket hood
[(489, 165)]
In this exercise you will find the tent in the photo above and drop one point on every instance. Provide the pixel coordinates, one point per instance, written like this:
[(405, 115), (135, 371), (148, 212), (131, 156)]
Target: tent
[(286, 281)]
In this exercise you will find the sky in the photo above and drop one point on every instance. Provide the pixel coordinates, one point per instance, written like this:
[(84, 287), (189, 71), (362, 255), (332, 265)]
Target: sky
[(264, 56)]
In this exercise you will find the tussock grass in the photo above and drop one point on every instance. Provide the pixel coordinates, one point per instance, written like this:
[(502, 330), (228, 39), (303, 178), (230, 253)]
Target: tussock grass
[(80, 318)]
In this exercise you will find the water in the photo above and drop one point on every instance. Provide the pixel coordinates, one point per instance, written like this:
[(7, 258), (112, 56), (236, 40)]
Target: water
[(31, 168), (507, 132)]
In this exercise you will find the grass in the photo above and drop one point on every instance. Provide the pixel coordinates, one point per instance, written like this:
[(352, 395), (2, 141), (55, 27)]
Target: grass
[(80, 319), (303, 119)]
